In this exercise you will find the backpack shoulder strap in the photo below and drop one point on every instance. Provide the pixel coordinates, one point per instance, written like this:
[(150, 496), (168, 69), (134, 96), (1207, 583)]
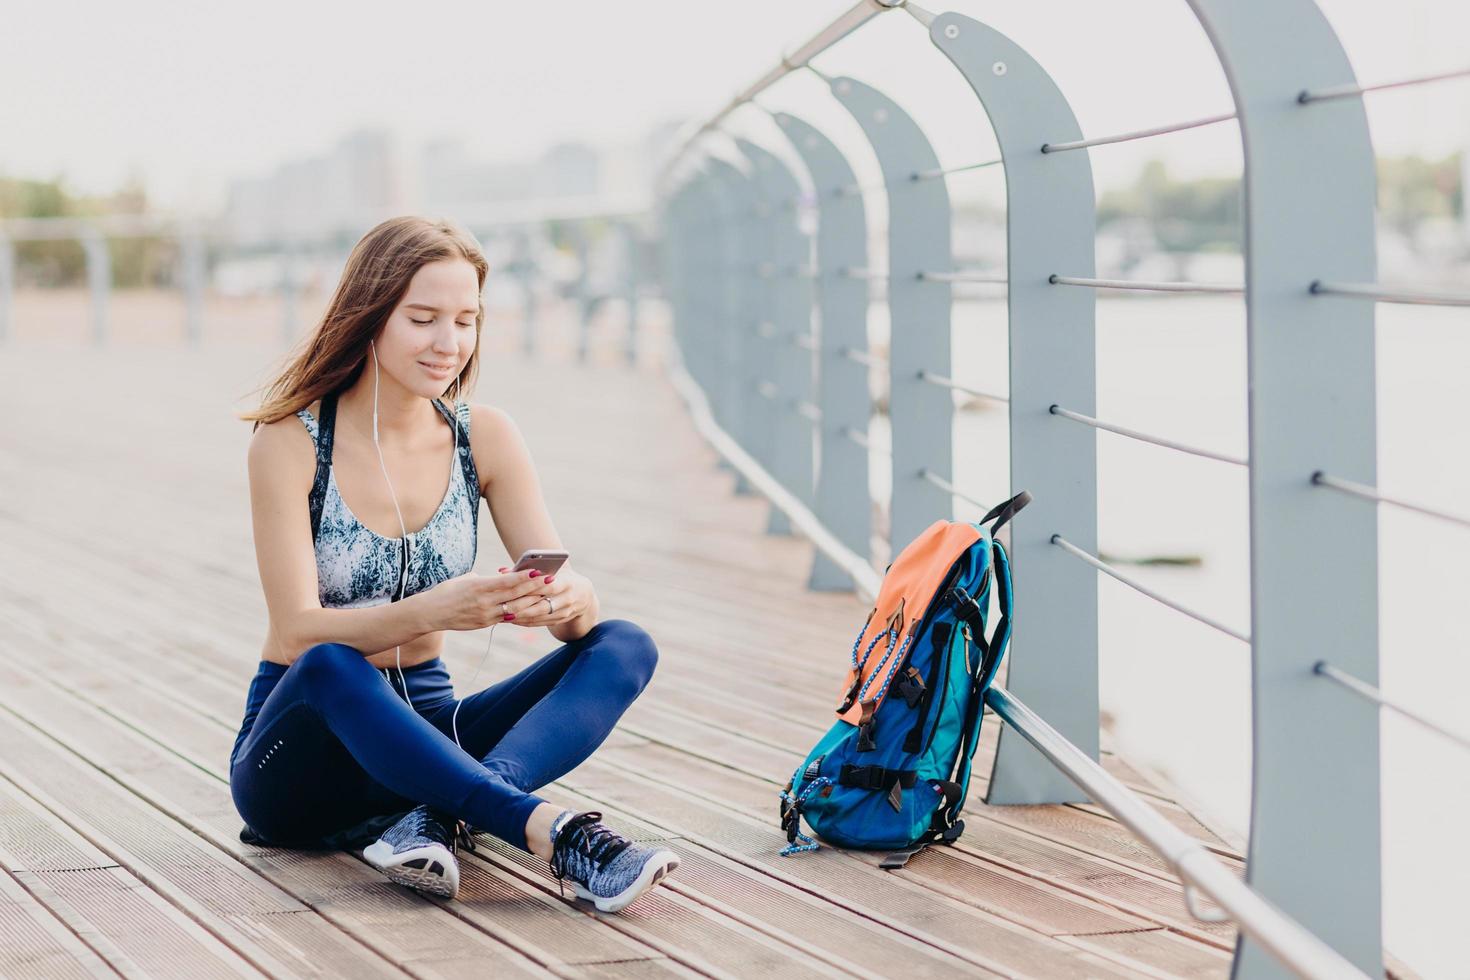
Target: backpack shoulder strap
[(992, 652)]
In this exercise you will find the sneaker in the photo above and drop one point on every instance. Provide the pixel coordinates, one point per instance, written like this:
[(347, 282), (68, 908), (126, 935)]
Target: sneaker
[(602, 865), (418, 851)]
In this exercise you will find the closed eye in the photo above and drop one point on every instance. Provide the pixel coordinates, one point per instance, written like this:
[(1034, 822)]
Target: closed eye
[(425, 323)]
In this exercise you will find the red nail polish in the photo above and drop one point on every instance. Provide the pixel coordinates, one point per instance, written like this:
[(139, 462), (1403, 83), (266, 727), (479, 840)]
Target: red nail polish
[(503, 570), (550, 579), (510, 616), (535, 572)]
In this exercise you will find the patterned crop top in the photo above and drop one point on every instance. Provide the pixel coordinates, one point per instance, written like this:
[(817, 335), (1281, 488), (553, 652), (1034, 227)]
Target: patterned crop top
[(356, 566)]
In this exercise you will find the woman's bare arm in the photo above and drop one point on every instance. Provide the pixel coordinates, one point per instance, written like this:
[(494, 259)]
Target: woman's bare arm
[(282, 464), (513, 491)]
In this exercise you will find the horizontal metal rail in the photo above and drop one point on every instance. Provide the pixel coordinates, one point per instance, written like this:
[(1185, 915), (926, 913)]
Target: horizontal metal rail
[(1371, 493), (943, 382), (1293, 945), (844, 24), (943, 484), (852, 272), (1346, 91), (865, 358), (938, 172), (1167, 287), (808, 411), (1107, 569), (963, 275), (854, 436), (1389, 294), (1365, 690), (1145, 437), (1137, 134)]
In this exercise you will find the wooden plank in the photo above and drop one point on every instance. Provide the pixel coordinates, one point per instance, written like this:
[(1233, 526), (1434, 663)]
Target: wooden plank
[(34, 943), (712, 938), (403, 928), (117, 915), (255, 917)]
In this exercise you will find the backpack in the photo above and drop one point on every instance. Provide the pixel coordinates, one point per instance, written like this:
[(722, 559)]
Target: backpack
[(892, 772)]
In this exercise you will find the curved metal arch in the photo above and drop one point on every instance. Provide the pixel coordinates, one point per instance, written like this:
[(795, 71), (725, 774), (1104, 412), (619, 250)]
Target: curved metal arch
[(843, 499), (919, 239), (1315, 837), (1050, 225), (780, 438)]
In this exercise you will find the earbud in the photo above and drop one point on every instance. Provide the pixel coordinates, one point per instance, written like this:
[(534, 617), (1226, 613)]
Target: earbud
[(403, 529)]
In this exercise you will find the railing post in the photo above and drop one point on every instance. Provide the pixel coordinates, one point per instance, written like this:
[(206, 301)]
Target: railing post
[(192, 269), (525, 269), (583, 289), (741, 299), (99, 281), (673, 266), (288, 292), (843, 500), (7, 289), (632, 276), (921, 415), (1315, 849), (1050, 228), (782, 372)]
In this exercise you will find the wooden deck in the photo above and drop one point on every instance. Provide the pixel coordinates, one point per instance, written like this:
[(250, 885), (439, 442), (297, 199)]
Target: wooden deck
[(131, 617)]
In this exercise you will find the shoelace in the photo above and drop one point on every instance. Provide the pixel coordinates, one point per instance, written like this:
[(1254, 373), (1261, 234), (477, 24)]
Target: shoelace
[(432, 825), (582, 846)]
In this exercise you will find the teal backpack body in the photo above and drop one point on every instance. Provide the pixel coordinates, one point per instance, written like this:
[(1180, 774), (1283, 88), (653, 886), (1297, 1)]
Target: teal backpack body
[(893, 772)]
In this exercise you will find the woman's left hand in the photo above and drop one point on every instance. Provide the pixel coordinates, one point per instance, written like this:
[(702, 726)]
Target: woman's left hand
[(562, 597)]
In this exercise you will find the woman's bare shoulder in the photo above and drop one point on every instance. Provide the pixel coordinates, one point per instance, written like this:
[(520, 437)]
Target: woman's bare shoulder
[(284, 447), (495, 440)]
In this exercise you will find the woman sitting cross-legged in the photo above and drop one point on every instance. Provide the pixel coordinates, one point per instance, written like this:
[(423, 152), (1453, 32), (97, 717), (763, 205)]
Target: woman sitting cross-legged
[(352, 732)]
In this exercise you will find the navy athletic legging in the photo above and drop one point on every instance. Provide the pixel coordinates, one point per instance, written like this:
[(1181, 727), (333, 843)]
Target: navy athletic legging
[(330, 741)]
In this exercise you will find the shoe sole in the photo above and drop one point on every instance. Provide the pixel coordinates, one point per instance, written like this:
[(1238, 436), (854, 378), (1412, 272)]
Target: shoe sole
[(397, 867), (656, 869)]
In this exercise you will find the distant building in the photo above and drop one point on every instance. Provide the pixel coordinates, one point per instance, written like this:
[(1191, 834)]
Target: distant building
[(358, 180)]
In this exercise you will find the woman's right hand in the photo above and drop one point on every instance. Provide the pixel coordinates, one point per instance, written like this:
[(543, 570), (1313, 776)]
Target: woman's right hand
[(472, 601)]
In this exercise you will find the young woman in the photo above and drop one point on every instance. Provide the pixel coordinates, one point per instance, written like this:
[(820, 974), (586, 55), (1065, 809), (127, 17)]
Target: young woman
[(351, 719)]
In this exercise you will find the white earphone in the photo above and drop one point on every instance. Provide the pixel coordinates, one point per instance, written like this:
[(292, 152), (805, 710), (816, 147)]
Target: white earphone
[(403, 529)]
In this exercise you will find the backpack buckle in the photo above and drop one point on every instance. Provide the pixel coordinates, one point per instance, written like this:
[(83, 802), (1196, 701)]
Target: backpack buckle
[(865, 728), (910, 686)]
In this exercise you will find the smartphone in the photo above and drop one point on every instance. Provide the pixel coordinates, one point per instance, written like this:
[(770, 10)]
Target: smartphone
[(543, 560)]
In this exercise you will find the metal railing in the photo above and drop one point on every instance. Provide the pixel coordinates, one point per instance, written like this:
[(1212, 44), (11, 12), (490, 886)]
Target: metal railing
[(792, 419), (525, 231)]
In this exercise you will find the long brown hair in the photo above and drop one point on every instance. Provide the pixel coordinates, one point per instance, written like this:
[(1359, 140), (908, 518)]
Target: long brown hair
[(375, 278)]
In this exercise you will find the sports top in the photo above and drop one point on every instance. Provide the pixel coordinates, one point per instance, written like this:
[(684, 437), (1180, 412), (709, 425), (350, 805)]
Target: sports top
[(358, 567)]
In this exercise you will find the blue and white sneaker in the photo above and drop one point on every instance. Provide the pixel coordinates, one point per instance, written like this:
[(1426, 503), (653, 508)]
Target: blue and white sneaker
[(418, 851), (602, 865)]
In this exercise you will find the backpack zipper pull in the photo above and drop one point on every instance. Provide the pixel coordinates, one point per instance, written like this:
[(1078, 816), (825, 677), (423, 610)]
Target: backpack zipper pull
[(965, 630)]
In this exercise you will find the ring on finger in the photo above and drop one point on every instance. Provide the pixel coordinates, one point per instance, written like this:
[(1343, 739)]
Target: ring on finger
[(550, 606)]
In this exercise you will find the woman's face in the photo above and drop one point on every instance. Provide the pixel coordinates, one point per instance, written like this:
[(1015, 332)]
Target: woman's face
[(431, 334)]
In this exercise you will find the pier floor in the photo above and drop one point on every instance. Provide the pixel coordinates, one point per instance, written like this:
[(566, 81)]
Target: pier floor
[(131, 618)]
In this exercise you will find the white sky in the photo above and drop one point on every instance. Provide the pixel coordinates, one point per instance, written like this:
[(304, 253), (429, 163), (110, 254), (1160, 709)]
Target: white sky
[(188, 95)]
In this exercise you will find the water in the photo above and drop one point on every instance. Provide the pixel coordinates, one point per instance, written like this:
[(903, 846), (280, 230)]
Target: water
[(1178, 691)]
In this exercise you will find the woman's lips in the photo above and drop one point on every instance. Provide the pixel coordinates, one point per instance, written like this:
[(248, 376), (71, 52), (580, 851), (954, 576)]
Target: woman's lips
[(438, 372)]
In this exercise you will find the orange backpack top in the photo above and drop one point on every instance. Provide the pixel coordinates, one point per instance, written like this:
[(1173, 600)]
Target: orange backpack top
[(909, 585)]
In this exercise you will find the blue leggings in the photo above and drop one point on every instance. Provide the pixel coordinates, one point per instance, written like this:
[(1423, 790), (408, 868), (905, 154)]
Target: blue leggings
[(330, 741)]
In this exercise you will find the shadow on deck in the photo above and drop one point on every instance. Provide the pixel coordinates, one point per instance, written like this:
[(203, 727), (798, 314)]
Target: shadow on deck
[(131, 617)]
